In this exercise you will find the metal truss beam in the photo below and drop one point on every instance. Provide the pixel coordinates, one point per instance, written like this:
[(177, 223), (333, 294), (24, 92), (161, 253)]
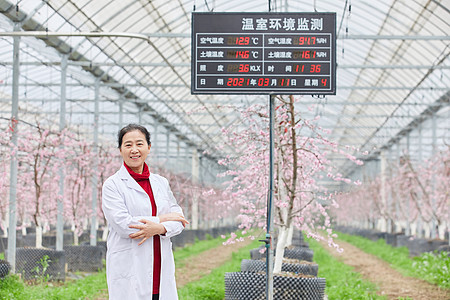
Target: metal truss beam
[(147, 36), (218, 112), (425, 115), (125, 85), (227, 101), (188, 65), (33, 28)]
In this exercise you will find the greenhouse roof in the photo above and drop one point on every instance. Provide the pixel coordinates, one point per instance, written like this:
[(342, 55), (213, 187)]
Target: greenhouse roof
[(393, 67)]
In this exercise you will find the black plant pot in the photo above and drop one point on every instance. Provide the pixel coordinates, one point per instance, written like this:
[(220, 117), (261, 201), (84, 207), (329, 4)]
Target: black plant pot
[(299, 243), (295, 242), (390, 239), (300, 253), (84, 258), (249, 265), (3, 244), (29, 262), (418, 246), (5, 267), (444, 248), (178, 241), (252, 286)]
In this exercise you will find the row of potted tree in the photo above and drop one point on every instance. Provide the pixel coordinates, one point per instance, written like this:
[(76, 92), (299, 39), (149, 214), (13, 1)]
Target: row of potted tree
[(410, 197), (44, 155), (302, 162)]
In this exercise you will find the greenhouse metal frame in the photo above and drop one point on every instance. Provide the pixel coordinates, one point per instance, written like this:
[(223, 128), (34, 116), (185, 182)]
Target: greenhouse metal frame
[(94, 66)]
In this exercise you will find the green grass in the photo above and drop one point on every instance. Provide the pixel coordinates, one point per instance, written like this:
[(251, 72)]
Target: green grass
[(212, 286), (342, 281), (13, 288), (431, 267)]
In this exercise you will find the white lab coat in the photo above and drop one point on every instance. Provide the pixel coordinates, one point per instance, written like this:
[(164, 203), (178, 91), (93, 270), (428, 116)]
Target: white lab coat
[(129, 267)]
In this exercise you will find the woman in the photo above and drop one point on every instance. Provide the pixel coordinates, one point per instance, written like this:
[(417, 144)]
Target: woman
[(142, 216)]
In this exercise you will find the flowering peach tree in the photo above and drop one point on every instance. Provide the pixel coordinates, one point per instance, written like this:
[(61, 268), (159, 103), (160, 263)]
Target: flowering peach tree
[(301, 164)]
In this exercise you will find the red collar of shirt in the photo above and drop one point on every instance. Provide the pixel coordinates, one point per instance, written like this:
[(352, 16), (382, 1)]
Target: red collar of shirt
[(136, 176)]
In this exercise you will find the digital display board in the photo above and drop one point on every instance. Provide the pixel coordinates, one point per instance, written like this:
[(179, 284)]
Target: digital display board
[(264, 53)]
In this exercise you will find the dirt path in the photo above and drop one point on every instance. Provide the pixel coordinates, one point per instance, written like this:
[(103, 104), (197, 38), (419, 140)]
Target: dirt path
[(390, 282), (202, 264)]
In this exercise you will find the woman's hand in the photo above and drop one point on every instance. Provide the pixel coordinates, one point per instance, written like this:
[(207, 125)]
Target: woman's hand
[(147, 230), (173, 216)]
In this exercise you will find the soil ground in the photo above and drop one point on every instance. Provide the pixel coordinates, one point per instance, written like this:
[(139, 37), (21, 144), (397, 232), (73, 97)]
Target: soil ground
[(203, 264), (390, 282)]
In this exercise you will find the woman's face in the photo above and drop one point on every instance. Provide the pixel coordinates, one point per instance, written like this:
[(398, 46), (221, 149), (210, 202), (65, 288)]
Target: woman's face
[(134, 150)]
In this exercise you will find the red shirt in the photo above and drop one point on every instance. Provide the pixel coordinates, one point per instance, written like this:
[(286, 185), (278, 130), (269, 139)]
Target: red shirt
[(144, 182)]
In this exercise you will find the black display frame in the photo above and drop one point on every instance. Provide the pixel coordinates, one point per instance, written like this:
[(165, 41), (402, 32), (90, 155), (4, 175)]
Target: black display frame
[(210, 27)]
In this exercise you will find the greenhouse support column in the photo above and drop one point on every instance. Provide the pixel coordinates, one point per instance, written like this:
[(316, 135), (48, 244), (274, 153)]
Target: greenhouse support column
[(397, 226), (200, 184), (155, 139), (270, 205), (419, 218), (185, 169), (121, 112), (388, 200), (434, 230), (408, 224), (13, 169), (195, 177), (178, 159), (62, 125), (93, 235), (383, 225), (140, 116), (168, 148)]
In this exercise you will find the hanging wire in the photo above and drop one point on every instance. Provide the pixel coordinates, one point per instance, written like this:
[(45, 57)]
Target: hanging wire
[(46, 18), (342, 19), (348, 17), (340, 27), (349, 9), (272, 5), (207, 6)]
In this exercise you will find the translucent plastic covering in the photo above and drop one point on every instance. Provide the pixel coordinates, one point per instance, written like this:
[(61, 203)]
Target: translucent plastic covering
[(393, 68)]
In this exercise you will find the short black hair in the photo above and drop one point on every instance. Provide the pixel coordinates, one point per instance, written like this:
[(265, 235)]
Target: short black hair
[(132, 127)]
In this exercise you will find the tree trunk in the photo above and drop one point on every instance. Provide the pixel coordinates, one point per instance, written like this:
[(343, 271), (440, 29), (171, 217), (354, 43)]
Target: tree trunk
[(194, 212), (281, 244), (290, 235), (105, 232), (38, 233), (75, 239), (5, 223)]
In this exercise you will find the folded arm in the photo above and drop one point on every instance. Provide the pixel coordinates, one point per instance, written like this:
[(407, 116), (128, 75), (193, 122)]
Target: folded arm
[(117, 214)]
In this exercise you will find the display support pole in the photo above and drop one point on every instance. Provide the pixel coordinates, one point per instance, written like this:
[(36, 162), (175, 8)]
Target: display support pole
[(269, 247)]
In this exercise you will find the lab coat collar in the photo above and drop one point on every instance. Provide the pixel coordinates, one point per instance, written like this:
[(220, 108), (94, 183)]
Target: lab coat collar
[(131, 183)]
